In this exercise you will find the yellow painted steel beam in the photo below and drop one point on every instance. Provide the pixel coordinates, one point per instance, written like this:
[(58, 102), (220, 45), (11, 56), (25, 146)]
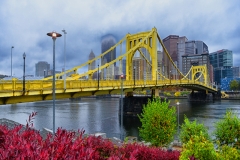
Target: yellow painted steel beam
[(74, 93), (38, 90)]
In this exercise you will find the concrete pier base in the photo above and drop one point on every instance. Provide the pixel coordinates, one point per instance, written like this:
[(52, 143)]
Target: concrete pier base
[(200, 97), (132, 106)]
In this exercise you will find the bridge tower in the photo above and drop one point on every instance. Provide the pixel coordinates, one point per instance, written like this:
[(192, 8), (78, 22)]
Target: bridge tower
[(134, 42)]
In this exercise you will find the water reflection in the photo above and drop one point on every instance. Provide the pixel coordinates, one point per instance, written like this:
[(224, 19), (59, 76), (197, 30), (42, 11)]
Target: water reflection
[(101, 115)]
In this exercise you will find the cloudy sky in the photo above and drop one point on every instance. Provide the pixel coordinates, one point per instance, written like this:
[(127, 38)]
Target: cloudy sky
[(24, 25)]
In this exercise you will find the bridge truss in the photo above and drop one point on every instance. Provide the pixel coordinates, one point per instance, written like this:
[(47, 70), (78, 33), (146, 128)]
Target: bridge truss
[(157, 73)]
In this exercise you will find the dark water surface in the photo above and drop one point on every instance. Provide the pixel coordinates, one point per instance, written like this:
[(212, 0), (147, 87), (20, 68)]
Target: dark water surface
[(101, 115)]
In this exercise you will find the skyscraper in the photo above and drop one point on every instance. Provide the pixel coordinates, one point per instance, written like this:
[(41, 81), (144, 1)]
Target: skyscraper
[(107, 42), (145, 69), (93, 64), (181, 51), (42, 68), (236, 72), (138, 65), (201, 47), (190, 60), (222, 62), (170, 43), (176, 47)]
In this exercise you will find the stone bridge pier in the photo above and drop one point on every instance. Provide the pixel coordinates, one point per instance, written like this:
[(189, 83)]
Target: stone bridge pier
[(203, 96)]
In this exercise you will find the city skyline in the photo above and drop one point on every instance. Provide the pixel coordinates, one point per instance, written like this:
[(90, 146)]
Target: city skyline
[(24, 26)]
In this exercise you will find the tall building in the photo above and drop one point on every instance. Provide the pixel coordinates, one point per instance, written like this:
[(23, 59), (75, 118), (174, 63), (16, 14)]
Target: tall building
[(107, 42), (190, 60), (138, 68), (195, 47), (222, 62), (236, 72), (201, 47), (181, 50), (42, 68), (146, 69), (190, 47), (176, 47), (93, 64), (170, 43)]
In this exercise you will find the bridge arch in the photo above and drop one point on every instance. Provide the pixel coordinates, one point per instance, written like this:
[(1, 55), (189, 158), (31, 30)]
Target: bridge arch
[(141, 40), (200, 69)]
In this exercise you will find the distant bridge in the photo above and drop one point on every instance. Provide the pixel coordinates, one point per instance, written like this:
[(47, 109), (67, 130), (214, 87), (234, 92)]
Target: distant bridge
[(154, 76)]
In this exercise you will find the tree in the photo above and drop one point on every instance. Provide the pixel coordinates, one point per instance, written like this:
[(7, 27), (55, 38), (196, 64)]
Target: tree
[(158, 122), (198, 147), (234, 85), (189, 129), (227, 130)]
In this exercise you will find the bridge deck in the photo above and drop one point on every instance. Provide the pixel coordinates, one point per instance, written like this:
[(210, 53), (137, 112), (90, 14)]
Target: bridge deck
[(12, 91)]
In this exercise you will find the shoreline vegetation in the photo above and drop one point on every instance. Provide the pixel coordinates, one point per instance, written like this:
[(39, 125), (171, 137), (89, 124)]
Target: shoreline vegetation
[(157, 130)]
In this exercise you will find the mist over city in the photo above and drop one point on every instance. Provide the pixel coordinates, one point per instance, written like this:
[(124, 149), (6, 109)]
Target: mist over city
[(24, 26)]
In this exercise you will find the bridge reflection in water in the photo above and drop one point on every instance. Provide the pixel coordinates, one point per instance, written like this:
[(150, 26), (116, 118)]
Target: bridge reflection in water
[(101, 115)]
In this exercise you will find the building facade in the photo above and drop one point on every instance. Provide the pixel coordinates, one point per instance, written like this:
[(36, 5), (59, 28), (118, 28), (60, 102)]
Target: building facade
[(107, 42), (222, 62), (190, 60), (93, 64), (190, 47), (138, 72), (170, 42), (236, 72), (42, 69), (181, 51), (201, 47)]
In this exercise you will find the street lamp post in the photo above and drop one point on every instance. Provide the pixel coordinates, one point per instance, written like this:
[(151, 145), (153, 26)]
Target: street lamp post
[(64, 76), (170, 76), (178, 117), (122, 106), (156, 76), (44, 73), (134, 74), (24, 56), (98, 76), (54, 36), (11, 59), (221, 78)]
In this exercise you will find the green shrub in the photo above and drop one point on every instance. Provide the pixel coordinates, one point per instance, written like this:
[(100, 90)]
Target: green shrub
[(158, 122), (227, 152), (198, 147), (185, 93), (228, 130), (189, 129), (167, 93)]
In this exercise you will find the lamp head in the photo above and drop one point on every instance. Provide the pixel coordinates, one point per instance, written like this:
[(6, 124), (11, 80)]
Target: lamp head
[(54, 35), (24, 55), (122, 76), (12, 46), (64, 31)]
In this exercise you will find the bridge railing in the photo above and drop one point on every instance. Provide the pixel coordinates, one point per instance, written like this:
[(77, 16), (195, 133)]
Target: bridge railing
[(17, 85)]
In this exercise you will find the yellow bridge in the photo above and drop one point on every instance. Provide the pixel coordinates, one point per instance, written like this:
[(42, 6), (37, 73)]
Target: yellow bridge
[(11, 91)]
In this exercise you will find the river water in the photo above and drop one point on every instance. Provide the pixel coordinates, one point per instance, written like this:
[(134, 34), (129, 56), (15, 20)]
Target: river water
[(102, 115)]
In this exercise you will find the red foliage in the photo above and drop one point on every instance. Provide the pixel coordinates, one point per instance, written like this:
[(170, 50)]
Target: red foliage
[(19, 143)]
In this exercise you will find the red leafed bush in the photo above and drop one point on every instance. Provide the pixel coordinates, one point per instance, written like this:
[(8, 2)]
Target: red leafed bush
[(26, 143), (141, 152)]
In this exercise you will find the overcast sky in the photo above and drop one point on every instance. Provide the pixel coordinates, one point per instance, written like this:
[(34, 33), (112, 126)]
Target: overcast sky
[(24, 25)]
